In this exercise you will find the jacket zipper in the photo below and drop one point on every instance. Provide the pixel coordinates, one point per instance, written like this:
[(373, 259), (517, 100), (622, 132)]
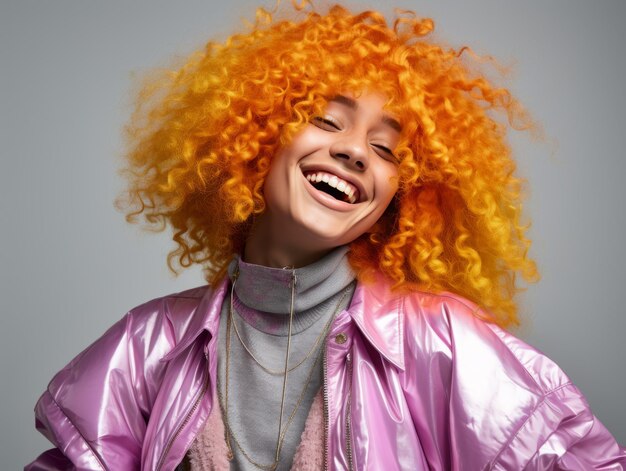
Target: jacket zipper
[(205, 386), (326, 413), (348, 415)]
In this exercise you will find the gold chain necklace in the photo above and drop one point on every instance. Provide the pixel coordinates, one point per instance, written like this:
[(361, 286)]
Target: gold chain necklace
[(224, 401), (231, 434), (317, 341)]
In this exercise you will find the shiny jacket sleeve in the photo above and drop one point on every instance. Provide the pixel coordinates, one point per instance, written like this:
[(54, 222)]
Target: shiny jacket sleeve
[(95, 409), (507, 406), (563, 434)]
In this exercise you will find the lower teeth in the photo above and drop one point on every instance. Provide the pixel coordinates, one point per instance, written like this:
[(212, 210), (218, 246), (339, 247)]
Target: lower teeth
[(329, 190)]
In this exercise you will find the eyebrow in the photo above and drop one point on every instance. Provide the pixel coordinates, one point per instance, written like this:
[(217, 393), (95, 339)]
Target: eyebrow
[(353, 105)]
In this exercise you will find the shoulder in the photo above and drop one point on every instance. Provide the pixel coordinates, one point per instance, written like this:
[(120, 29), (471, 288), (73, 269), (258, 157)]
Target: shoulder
[(414, 327), (481, 380), (498, 398), (509, 405), (500, 392), (138, 342), (171, 305), (456, 327), (104, 395), (168, 316)]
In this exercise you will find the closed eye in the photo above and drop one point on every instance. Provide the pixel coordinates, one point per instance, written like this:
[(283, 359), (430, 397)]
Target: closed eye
[(386, 151), (326, 123)]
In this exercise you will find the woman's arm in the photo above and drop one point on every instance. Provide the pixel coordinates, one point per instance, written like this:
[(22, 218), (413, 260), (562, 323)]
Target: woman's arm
[(91, 411), (95, 410), (500, 404), (564, 434)]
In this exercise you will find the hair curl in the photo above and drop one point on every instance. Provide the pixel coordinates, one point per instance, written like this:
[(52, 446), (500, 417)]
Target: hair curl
[(202, 138)]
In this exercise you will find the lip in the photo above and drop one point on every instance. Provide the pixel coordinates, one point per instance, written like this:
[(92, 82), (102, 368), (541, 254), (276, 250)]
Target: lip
[(325, 199), (363, 196)]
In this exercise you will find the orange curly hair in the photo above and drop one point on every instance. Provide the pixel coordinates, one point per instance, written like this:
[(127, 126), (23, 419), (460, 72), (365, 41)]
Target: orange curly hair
[(202, 138)]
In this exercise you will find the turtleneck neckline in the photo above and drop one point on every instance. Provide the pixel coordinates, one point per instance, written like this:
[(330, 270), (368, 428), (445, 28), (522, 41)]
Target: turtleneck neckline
[(262, 296), (269, 289)]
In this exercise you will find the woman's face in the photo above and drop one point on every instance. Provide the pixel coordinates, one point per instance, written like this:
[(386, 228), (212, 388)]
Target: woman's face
[(335, 179)]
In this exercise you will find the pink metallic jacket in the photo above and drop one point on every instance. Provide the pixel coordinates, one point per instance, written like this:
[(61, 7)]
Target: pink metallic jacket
[(416, 382)]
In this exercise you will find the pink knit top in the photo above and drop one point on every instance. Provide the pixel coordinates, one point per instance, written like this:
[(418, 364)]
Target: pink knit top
[(209, 451)]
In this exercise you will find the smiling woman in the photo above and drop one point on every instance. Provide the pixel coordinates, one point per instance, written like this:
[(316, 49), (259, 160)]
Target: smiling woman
[(203, 140), (348, 188), (347, 151)]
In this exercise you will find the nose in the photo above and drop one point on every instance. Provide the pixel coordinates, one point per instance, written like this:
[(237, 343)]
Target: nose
[(352, 148)]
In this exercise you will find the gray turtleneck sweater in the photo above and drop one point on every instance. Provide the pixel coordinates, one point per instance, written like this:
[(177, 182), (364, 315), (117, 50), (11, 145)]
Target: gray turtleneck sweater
[(261, 301)]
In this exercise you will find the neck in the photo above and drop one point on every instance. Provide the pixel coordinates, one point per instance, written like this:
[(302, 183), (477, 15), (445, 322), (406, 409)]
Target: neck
[(276, 249)]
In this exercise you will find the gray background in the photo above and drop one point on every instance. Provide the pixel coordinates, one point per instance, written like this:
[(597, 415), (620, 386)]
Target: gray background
[(70, 266)]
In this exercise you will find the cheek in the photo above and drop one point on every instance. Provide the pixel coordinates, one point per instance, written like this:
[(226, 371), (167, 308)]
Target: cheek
[(387, 183), (275, 184)]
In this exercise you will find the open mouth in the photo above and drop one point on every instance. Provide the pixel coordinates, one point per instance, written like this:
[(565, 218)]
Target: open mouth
[(334, 186)]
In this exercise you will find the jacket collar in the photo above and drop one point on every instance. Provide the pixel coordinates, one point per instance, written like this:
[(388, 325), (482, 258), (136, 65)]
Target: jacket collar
[(374, 308), (378, 313), (205, 318)]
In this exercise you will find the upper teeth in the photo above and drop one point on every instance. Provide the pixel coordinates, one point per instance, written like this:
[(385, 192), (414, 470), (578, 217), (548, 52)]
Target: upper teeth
[(334, 181)]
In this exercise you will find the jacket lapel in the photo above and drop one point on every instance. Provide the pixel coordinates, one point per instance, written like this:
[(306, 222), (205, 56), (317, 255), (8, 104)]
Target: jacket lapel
[(206, 318), (378, 313)]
